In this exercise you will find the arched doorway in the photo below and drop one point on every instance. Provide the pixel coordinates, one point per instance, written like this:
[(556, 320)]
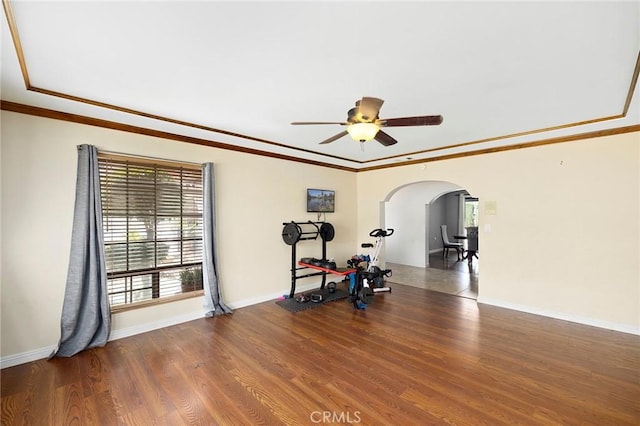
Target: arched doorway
[(416, 212)]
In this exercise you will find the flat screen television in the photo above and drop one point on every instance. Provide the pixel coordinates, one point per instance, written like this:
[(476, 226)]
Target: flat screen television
[(321, 201)]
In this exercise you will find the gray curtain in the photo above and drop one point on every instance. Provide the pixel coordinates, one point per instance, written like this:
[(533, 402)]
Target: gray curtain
[(86, 319), (212, 301)]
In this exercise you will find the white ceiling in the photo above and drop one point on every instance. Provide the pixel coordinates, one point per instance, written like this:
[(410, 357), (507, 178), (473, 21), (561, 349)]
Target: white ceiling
[(509, 72)]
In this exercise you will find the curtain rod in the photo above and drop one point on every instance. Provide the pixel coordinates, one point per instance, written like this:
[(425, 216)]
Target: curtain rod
[(148, 158)]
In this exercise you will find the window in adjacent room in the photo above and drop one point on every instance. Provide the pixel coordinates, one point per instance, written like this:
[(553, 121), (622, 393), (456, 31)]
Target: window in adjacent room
[(152, 221), (470, 211)]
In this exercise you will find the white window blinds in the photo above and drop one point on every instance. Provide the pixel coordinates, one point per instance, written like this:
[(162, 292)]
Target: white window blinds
[(152, 221)]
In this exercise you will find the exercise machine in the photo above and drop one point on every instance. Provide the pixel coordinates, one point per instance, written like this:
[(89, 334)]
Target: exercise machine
[(369, 279)]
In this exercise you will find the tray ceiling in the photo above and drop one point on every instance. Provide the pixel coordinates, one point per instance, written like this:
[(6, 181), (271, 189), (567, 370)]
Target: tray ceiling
[(238, 73)]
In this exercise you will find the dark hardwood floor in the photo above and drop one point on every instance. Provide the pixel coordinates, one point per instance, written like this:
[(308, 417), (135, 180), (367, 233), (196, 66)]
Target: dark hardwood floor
[(413, 357)]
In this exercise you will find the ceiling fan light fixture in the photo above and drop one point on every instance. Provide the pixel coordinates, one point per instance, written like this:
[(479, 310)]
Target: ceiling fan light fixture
[(363, 132)]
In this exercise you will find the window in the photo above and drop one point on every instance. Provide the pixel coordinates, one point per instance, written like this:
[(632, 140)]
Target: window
[(152, 221), (470, 211)]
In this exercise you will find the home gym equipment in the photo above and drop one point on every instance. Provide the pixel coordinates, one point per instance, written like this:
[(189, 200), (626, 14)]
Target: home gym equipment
[(376, 275), (365, 279), (370, 278), (293, 233)]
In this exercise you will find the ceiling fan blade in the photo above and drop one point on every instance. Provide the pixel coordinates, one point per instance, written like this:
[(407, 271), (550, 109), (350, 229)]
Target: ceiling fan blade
[(423, 120), (334, 137), (295, 123), (385, 139), (369, 108)]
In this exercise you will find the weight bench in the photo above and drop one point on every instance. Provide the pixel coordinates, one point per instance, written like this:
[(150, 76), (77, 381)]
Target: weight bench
[(341, 272), (359, 295)]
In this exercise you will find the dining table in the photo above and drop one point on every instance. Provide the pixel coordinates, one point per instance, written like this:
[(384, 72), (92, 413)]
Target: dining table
[(466, 254)]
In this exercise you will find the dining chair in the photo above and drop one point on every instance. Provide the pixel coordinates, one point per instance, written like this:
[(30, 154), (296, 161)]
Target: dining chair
[(446, 244)]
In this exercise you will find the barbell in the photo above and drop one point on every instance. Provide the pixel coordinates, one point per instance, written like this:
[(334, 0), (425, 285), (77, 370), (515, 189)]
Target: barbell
[(292, 232)]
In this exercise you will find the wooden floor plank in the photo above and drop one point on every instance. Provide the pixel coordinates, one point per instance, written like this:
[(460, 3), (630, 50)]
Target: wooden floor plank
[(69, 405)]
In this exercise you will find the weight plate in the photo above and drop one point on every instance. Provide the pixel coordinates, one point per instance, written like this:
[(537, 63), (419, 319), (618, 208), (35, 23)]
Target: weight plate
[(327, 232), (291, 233), (375, 277), (366, 295), (378, 282)]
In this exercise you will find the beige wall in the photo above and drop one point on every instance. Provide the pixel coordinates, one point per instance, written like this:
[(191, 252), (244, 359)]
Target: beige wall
[(564, 241), (255, 195)]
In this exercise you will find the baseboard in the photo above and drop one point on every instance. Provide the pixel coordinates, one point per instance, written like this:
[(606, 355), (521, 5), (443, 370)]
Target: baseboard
[(265, 298), (624, 328), (154, 325), (45, 352), (24, 357), (41, 353)]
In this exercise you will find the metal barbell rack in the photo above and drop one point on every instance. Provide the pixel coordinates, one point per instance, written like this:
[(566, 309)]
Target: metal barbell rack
[(293, 232)]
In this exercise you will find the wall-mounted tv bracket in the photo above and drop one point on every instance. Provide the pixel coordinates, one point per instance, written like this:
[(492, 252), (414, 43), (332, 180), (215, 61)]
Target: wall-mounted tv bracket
[(294, 232)]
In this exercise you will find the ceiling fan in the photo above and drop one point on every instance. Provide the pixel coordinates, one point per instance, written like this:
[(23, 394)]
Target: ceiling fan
[(363, 123)]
